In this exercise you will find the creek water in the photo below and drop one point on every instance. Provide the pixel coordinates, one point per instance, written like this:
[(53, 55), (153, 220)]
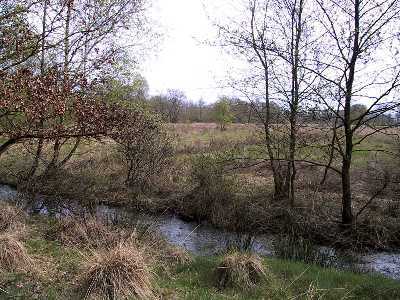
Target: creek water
[(200, 239)]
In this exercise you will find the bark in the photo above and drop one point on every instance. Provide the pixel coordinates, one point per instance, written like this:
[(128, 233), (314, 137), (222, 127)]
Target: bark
[(39, 149), (36, 160), (57, 144), (347, 211), (6, 145)]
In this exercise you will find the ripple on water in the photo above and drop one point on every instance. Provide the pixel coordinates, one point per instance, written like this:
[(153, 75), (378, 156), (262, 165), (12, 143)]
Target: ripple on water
[(387, 264)]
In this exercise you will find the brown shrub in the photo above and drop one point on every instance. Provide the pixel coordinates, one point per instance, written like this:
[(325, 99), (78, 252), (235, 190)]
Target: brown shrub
[(241, 270), (117, 273), (13, 254)]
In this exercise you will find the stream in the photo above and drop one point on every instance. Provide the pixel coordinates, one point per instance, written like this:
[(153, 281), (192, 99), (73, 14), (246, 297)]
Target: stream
[(199, 239)]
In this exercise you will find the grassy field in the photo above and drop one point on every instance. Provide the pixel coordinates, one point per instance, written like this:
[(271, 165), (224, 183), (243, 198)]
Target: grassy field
[(56, 265)]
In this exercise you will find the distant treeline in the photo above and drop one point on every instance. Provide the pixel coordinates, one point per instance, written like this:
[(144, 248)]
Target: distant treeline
[(175, 107)]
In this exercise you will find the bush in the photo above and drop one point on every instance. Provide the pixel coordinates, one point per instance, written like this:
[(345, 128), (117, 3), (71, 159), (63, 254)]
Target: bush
[(214, 189), (146, 149), (117, 273), (240, 270)]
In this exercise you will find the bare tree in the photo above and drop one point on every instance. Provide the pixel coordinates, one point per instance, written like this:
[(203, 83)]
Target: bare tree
[(176, 99), (292, 44), (357, 63), (273, 40)]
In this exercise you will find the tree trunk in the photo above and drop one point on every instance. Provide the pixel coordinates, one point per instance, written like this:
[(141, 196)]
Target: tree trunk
[(56, 153), (57, 143), (35, 163), (39, 149), (6, 145), (347, 211)]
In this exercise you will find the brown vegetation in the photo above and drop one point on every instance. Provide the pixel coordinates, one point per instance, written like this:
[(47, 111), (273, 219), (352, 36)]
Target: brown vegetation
[(120, 272), (240, 270), (89, 232), (11, 218), (13, 254)]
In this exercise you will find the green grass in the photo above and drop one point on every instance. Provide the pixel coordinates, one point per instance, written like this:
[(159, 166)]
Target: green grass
[(284, 280)]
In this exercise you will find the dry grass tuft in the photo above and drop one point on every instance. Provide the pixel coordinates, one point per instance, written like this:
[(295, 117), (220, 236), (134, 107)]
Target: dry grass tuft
[(89, 232), (13, 254), (176, 255), (157, 249), (241, 270), (167, 256), (117, 273), (11, 218)]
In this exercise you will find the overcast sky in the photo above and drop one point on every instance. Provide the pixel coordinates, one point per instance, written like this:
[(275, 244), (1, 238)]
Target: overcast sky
[(183, 62)]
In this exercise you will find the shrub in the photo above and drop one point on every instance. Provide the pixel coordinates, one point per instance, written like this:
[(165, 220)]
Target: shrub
[(240, 270), (146, 149), (117, 273), (13, 254), (222, 113), (214, 189)]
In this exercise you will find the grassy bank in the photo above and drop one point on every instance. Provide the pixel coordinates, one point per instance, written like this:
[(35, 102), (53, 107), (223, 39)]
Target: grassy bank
[(291, 280), (57, 258)]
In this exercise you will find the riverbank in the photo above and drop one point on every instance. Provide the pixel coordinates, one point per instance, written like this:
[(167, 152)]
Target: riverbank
[(58, 258), (206, 240)]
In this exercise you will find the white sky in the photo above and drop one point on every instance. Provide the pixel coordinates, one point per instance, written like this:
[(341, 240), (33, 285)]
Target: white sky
[(182, 61)]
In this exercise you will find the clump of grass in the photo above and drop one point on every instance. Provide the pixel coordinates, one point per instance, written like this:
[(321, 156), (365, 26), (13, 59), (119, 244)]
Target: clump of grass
[(241, 270), (239, 242), (297, 248), (82, 232), (175, 255), (117, 273), (159, 249), (13, 254), (11, 218)]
